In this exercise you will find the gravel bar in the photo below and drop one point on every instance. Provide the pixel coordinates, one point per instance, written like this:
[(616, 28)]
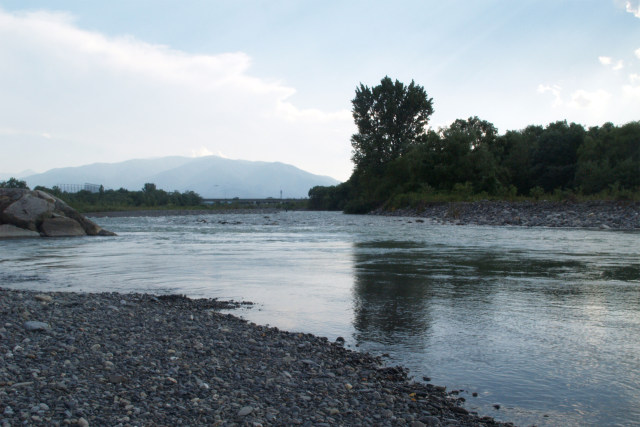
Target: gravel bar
[(595, 215), (143, 360)]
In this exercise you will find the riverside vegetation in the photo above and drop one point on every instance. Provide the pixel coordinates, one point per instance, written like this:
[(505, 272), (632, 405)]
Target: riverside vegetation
[(150, 200), (398, 163)]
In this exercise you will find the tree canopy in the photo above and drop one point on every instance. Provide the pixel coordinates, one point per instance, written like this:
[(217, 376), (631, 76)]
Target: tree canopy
[(13, 183), (398, 162), (391, 118)]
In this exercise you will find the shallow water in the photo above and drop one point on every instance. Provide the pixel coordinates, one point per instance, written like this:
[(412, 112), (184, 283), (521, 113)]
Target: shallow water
[(543, 322)]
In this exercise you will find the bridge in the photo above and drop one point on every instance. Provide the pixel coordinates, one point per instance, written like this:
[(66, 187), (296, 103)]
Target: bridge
[(269, 201)]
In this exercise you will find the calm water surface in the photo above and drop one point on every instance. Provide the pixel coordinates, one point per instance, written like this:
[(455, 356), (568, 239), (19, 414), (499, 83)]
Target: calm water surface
[(543, 322)]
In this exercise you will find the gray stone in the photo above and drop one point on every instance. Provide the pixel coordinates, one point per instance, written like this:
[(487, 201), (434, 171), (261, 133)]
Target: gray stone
[(244, 411), (8, 231), (62, 227), (23, 210), (33, 325), (28, 212)]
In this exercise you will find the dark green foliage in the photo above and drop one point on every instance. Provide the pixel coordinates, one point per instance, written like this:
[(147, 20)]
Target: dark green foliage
[(391, 118), (13, 183), (398, 163), (110, 200)]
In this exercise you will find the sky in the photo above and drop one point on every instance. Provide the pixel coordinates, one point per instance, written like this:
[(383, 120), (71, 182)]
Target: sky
[(106, 81)]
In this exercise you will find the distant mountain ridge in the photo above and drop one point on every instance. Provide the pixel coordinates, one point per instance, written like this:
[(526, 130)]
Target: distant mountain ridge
[(209, 176)]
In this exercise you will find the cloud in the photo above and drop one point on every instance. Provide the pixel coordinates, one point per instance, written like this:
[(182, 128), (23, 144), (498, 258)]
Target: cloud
[(637, 52), (608, 61), (632, 90), (583, 99), (113, 98), (633, 7), (201, 152), (555, 90), (605, 60), (579, 99)]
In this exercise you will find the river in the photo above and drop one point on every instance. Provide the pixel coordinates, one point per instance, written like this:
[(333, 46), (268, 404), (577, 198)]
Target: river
[(544, 323)]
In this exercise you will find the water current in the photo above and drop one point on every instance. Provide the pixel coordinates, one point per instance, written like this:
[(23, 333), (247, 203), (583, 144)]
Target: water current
[(543, 322)]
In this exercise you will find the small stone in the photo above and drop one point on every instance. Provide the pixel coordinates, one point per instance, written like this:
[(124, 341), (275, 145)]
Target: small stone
[(43, 298), (33, 325), (348, 386), (8, 411), (116, 379), (244, 411), (95, 347), (82, 422), (430, 421)]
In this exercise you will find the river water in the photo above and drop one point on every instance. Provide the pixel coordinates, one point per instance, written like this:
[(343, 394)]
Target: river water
[(543, 322)]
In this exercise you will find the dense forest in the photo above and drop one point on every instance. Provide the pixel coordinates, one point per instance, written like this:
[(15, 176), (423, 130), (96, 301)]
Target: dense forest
[(113, 200), (398, 162)]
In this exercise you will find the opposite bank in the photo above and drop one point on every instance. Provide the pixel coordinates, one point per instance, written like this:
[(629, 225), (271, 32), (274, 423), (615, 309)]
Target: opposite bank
[(596, 214)]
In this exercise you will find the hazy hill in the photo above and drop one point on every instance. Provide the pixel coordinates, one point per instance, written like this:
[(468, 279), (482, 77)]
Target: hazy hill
[(209, 176)]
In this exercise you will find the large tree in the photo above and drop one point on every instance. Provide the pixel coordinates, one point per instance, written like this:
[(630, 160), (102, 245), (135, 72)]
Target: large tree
[(391, 118)]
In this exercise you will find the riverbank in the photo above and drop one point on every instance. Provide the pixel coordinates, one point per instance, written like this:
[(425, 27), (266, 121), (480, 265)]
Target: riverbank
[(595, 214), (139, 359)]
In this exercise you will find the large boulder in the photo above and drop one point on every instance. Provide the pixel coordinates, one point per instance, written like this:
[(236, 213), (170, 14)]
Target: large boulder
[(26, 213), (8, 230)]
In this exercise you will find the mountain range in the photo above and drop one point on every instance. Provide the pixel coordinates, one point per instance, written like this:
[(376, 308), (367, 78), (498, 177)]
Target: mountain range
[(209, 176)]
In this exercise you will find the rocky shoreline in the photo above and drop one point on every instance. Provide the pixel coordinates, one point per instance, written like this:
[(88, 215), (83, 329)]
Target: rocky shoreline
[(596, 214), (137, 359)]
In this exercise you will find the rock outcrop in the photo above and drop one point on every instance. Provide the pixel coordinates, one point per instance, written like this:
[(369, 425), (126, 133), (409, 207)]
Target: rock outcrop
[(26, 213)]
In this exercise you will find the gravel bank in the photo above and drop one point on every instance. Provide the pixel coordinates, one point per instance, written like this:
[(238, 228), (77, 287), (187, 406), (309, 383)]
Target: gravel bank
[(597, 214), (134, 359)]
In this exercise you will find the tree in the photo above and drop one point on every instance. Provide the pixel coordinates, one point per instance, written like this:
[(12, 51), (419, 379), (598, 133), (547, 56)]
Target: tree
[(149, 187), (391, 118), (13, 183)]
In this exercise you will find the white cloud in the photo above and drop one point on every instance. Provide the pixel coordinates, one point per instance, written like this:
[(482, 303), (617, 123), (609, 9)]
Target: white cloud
[(633, 7), (555, 90), (608, 61), (110, 99), (583, 99), (632, 90), (605, 60), (637, 52), (201, 152)]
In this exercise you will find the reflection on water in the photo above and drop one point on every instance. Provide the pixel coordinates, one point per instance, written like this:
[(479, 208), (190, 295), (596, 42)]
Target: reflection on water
[(544, 322), (552, 340)]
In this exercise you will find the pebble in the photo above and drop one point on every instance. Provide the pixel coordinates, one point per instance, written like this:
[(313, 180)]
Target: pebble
[(246, 410), (170, 360), (43, 298), (33, 325)]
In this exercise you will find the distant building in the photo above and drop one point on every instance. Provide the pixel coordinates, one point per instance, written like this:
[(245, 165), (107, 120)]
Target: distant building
[(74, 188)]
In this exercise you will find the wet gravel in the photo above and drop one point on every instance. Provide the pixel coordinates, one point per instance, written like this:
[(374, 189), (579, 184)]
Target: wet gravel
[(596, 214), (142, 360)]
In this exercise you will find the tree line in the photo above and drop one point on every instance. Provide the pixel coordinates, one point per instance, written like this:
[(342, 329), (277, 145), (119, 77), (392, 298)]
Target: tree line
[(398, 162), (112, 200)]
